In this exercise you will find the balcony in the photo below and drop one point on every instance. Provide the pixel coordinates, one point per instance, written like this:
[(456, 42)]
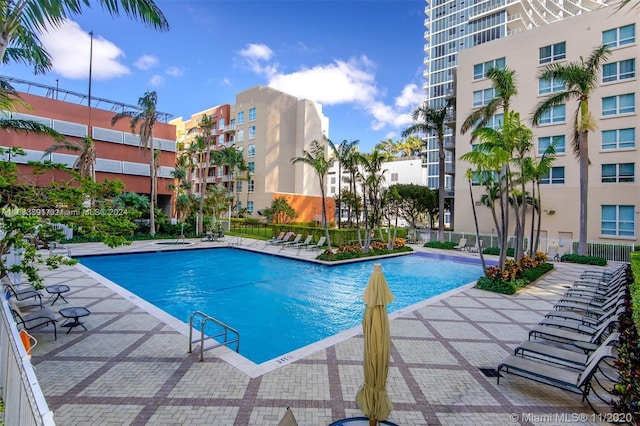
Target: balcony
[(231, 128), (450, 143), (449, 193), (450, 168)]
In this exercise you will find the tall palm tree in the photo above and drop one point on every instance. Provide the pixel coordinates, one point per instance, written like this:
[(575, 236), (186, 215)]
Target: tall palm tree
[(505, 88), (204, 141), (233, 159), (580, 79), (22, 20), (342, 153), (143, 121), (432, 120), (316, 157)]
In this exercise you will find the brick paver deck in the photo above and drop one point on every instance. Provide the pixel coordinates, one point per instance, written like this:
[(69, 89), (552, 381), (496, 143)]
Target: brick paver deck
[(132, 367)]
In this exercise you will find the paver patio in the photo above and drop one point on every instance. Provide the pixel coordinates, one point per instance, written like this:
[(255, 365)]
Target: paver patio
[(132, 367)]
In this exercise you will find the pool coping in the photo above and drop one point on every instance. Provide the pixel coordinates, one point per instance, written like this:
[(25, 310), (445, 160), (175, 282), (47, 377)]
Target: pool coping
[(238, 361)]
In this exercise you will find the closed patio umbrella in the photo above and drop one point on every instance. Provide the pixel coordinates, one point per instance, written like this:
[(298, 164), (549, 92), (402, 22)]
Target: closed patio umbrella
[(372, 397)]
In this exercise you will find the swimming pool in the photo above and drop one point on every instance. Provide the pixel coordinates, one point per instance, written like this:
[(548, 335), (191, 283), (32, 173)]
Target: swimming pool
[(277, 304)]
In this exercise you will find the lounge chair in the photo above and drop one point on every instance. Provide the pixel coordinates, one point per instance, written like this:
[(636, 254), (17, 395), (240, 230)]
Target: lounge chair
[(590, 314), (572, 380), (22, 294), (462, 244), (570, 337), (296, 240), (605, 275), (284, 239), (476, 248), (570, 356), (305, 243), (317, 245), (584, 324), (275, 240), (35, 319)]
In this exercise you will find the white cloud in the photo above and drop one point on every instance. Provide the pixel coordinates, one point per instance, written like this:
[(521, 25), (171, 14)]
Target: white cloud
[(156, 80), (175, 71), (225, 82), (338, 83), (411, 96), (145, 62), (69, 47), (255, 56)]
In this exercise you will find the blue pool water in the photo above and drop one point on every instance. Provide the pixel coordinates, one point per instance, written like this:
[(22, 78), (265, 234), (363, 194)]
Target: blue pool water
[(277, 304)]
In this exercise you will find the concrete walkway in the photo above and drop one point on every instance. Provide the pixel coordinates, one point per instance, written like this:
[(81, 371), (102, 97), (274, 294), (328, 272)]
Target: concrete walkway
[(132, 367)]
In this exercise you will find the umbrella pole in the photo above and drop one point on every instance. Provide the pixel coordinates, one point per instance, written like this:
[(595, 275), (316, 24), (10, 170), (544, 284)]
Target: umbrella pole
[(372, 421)]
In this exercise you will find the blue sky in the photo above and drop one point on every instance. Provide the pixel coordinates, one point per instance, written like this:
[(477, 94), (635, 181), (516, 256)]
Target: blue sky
[(361, 59)]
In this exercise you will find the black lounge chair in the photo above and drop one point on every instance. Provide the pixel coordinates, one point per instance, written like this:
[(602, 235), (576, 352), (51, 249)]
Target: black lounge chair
[(570, 337), (22, 294), (572, 380), (569, 355), (32, 320)]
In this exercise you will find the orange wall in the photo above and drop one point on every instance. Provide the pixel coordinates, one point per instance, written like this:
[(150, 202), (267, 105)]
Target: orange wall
[(309, 207), (55, 109)]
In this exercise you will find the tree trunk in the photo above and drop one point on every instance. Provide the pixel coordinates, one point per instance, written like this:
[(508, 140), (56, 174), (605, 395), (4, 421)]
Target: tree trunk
[(475, 220), (583, 143), (441, 158), (152, 198)]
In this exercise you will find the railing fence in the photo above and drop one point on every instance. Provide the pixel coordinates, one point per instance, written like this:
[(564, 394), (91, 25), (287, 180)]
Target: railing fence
[(611, 252)]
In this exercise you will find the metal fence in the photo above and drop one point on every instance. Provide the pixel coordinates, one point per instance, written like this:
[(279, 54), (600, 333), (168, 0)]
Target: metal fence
[(23, 399), (611, 252)]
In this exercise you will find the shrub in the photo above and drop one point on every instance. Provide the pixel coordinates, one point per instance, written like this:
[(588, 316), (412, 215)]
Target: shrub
[(515, 275), (352, 248), (586, 260), (495, 251), (351, 253), (536, 272), (439, 245)]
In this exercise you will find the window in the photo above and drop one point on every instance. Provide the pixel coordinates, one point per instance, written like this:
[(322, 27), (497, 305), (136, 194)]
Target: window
[(394, 177), (480, 70), (251, 165), (618, 221), (251, 151), (550, 86), (482, 97), (496, 121), (621, 104), (220, 171), (240, 135), (618, 173), (250, 207), (619, 138), (239, 206), (619, 70), (252, 114), (252, 132), (239, 186), (554, 177), (220, 139), (555, 114), (619, 36), (557, 141), (221, 124), (552, 53), (251, 186), (241, 117)]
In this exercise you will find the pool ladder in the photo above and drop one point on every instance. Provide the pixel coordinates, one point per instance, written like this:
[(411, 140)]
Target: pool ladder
[(226, 331)]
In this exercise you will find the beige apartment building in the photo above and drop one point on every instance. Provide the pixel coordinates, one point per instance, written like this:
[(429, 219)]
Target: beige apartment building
[(614, 189), (270, 128)]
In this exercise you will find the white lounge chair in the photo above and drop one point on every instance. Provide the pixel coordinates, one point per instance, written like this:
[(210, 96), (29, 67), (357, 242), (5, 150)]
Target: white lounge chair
[(319, 244)]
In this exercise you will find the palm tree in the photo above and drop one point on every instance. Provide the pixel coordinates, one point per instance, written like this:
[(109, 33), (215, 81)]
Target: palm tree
[(204, 142), (9, 100), (22, 20), (432, 120), (143, 120), (233, 159), (316, 157), (504, 86), (342, 153), (580, 79), (86, 150)]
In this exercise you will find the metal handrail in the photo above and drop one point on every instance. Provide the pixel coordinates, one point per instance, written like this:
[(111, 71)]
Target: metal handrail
[(225, 333)]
